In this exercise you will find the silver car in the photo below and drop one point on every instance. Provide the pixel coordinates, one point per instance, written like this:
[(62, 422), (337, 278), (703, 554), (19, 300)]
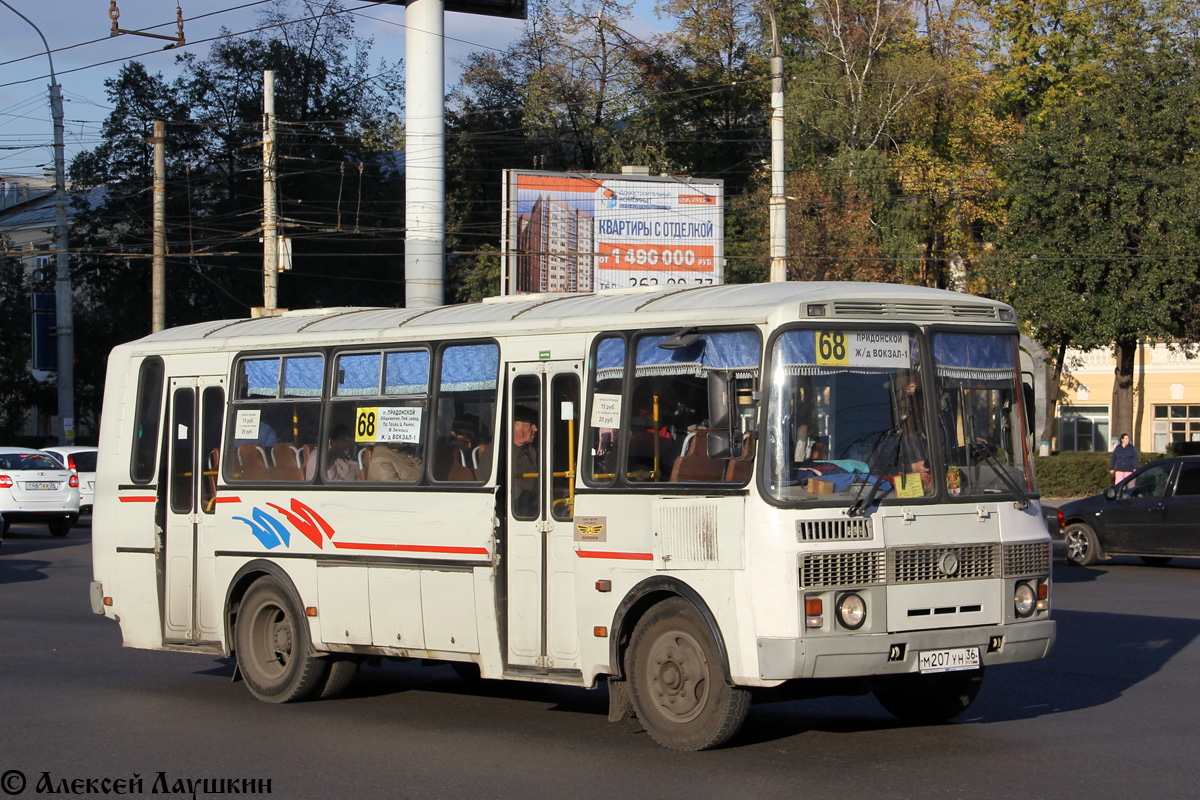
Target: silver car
[(36, 488), (83, 461)]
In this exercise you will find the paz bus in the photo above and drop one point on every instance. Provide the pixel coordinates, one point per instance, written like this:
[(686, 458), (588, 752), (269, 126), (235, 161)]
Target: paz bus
[(694, 495)]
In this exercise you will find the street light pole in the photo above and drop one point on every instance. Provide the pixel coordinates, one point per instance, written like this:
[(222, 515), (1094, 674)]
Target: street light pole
[(64, 315)]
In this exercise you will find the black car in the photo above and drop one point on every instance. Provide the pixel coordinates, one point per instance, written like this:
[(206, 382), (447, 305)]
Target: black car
[(1154, 513)]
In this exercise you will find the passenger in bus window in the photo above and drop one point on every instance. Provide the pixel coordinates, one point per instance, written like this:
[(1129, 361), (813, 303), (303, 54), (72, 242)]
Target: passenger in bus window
[(339, 466), (525, 462), (396, 462)]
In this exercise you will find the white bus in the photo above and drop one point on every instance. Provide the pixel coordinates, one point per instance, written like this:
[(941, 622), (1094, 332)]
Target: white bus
[(691, 494)]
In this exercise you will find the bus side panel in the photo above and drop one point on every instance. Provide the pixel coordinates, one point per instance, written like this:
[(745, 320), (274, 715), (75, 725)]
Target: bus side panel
[(123, 518), (401, 605), (647, 536)]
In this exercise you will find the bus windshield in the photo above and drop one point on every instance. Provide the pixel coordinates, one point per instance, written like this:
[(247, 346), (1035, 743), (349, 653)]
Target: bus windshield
[(979, 413), (847, 417)]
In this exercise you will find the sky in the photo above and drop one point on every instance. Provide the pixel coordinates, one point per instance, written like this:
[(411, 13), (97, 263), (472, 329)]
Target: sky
[(77, 32)]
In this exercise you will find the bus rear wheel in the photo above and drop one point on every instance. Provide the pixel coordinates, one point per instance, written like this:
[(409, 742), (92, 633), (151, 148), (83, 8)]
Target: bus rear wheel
[(930, 699), (677, 683), (273, 646)]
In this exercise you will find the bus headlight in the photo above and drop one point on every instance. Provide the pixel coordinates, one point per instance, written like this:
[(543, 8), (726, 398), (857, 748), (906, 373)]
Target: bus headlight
[(1024, 600), (851, 611)]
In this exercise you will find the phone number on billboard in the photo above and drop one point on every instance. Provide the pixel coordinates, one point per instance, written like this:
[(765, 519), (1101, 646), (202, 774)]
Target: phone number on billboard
[(654, 281)]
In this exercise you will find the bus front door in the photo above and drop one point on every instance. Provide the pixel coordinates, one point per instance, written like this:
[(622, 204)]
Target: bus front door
[(196, 407), (543, 432)]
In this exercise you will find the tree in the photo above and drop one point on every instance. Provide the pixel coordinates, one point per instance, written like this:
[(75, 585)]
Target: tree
[(1103, 241), (338, 185)]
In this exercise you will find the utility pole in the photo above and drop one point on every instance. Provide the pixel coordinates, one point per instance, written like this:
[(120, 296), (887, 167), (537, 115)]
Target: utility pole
[(64, 315), (270, 220), (158, 275), (424, 154), (778, 205)]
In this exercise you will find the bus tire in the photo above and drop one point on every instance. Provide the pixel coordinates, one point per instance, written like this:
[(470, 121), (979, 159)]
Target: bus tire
[(677, 681), (273, 646), (930, 699), (1082, 547), (342, 670)]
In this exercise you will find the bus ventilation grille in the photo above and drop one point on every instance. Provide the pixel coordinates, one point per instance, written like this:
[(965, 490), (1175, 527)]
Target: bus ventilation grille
[(833, 530), (832, 570), (1029, 558), (957, 563)]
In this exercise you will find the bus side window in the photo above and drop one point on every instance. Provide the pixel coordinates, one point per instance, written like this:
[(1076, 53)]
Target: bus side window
[(673, 433), (564, 430), (608, 378), (274, 417), (462, 449), (146, 422)]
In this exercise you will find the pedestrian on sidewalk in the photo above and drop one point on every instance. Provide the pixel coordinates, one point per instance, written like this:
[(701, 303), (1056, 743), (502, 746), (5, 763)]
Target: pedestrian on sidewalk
[(1124, 460)]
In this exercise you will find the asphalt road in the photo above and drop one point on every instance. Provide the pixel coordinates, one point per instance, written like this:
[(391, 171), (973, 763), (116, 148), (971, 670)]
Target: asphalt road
[(1112, 714)]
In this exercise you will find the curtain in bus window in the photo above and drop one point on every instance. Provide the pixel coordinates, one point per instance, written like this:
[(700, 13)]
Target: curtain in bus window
[(407, 372), (302, 376), (357, 374), (470, 367), (610, 359), (737, 351), (967, 358), (261, 377)]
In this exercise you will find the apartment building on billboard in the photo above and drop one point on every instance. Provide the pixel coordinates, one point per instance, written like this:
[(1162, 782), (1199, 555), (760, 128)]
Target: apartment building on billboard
[(555, 246), (1166, 404)]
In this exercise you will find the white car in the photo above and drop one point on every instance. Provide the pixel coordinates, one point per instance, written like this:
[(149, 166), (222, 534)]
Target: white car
[(83, 461), (36, 488)]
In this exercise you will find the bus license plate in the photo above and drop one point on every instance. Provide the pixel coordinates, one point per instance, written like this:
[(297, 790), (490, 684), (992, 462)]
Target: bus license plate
[(951, 660), (41, 486)]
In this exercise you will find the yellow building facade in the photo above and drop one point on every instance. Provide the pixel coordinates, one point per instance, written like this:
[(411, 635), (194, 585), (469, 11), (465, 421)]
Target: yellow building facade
[(1166, 399)]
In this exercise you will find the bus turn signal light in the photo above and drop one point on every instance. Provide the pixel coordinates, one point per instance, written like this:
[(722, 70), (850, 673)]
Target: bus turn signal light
[(813, 610)]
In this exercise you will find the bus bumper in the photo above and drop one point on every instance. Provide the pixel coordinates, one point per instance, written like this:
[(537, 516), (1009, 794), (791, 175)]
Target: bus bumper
[(876, 654)]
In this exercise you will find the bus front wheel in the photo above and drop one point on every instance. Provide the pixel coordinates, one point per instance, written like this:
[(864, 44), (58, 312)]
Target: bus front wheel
[(930, 699), (273, 646), (677, 682)]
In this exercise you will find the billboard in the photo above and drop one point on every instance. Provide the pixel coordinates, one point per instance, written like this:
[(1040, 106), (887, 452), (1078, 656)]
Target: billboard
[(570, 232), (513, 9)]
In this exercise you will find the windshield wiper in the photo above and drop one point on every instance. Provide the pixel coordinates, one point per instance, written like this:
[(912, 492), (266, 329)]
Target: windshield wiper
[(983, 453), (859, 507)]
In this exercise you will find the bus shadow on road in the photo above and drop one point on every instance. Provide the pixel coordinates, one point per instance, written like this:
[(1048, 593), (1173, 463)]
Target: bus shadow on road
[(1098, 657), (22, 570)]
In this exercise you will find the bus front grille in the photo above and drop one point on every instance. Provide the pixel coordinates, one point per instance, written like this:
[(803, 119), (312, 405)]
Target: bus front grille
[(832, 570), (1027, 558), (944, 563)]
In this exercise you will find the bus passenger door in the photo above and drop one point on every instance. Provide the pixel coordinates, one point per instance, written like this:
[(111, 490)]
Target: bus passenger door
[(543, 432), (195, 410)]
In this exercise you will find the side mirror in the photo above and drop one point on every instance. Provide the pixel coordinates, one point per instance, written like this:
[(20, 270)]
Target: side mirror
[(718, 402), (1110, 493)]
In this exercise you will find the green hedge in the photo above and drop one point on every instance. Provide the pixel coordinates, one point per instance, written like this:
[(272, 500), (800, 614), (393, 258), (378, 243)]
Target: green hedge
[(1070, 474)]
